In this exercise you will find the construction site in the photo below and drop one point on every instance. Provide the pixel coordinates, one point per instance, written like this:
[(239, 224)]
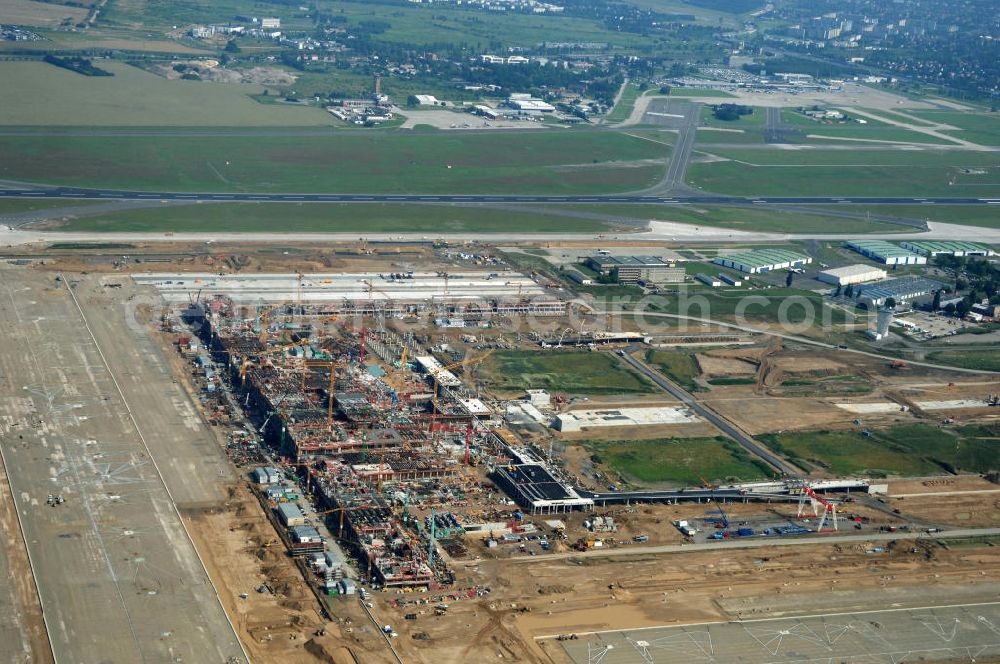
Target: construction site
[(374, 463)]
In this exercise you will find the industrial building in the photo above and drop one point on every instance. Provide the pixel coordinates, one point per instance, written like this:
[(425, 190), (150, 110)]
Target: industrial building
[(900, 289), (714, 282), (933, 248), (851, 274), (636, 269), (763, 260), (525, 104), (578, 420), (886, 252)]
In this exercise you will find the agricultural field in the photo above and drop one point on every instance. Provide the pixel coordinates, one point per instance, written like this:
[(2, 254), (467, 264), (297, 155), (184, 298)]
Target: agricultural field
[(677, 461), (360, 162), (565, 371), (678, 366), (813, 172), (40, 14), (917, 449), (51, 96), (443, 24), (327, 218), (748, 219)]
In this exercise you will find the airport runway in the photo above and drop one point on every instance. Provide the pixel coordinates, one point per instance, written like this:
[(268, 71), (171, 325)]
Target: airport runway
[(955, 633), (679, 199), (89, 411)]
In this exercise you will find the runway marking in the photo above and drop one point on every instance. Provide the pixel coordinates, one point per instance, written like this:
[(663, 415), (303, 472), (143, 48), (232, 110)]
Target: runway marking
[(708, 623)]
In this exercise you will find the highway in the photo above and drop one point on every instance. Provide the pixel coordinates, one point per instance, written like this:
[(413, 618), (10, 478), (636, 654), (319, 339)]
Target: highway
[(71, 193), (745, 441)]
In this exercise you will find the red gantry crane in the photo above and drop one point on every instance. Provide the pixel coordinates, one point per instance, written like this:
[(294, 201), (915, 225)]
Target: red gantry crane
[(815, 500)]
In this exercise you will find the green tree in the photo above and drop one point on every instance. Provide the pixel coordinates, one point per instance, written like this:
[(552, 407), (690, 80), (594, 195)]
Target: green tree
[(890, 303), (232, 46), (936, 304), (789, 278)]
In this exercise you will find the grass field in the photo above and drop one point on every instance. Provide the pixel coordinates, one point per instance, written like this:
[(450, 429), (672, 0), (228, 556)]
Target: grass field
[(51, 96), (566, 371), (916, 449), (982, 128), (623, 109), (328, 218), (804, 311), (16, 205), (987, 359), (910, 172), (678, 366), (969, 215), (677, 461), (871, 130), (746, 219), (508, 162)]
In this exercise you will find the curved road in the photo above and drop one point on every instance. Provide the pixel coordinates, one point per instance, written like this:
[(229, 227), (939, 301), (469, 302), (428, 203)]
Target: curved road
[(678, 199)]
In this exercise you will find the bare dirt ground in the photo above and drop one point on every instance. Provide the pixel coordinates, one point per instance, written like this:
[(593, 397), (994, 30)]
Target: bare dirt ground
[(212, 72), (285, 623), (577, 596), (966, 501), (238, 258), (712, 364)]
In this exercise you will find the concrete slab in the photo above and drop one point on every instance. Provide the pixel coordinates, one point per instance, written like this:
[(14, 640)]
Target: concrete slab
[(870, 408), (948, 404), (119, 579)]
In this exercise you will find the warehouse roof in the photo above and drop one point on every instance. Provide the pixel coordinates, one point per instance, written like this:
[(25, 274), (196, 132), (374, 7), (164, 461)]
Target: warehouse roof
[(900, 288), (619, 261), (852, 270), (947, 247), (879, 248), (764, 257)]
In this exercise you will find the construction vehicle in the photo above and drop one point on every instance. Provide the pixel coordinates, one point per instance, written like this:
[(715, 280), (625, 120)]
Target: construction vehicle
[(898, 364)]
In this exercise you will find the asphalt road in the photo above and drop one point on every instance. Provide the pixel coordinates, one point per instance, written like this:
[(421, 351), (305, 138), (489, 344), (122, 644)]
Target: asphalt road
[(685, 397), (679, 199), (760, 542)]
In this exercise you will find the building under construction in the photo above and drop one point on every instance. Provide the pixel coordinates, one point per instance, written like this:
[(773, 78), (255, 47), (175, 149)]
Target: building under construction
[(369, 446)]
